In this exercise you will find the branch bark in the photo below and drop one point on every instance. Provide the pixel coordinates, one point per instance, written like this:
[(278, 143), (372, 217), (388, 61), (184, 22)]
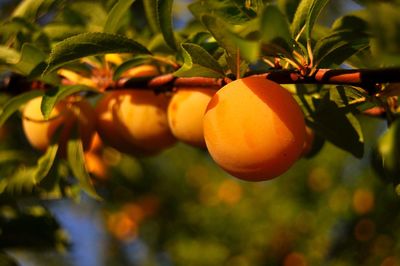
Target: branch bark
[(364, 78)]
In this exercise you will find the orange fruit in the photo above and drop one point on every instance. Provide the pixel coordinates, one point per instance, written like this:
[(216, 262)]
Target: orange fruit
[(66, 113), (254, 129), (185, 114), (134, 121)]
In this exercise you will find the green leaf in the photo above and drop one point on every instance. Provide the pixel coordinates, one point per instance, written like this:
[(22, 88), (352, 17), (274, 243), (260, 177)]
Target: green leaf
[(315, 10), (288, 7), (60, 31), (349, 36), (306, 14), (384, 22), (8, 55), (14, 104), (92, 43), (22, 180), (275, 29), (136, 61), (338, 126), (76, 161), (274, 25), (198, 62), (388, 153), (164, 16), (230, 11), (53, 96), (46, 161), (7, 156), (31, 57), (116, 14), (150, 8), (28, 9), (249, 50), (220, 31)]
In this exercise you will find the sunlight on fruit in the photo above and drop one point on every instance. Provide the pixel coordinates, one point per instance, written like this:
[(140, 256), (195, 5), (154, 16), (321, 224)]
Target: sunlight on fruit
[(134, 121), (141, 71), (116, 59), (66, 114), (363, 201), (72, 78), (237, 121), (185, 114)]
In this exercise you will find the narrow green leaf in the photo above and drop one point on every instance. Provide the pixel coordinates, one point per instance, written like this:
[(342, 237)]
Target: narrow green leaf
[(31, 57), (164, 16), (339, 126), (46, 161), (230, 11), (14, 104), (275, 30), (249, 50), (22, 180), (274, 25), (150, 8), (114, 18), (388, 153), (53, 96), (306, 14), (92, 43), (315, 10), (76, 161), (300, 17), (58, 31), (288, 7), (8, 55), (7, 156), (220, 31), (197, 61), (28, 8), (136, 61), (349, 35), (384, 22)]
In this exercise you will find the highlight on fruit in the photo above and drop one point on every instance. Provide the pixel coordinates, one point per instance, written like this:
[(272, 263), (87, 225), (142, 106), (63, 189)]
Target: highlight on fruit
[(134, 121), (185, 114), (67, 113), (254, 129)]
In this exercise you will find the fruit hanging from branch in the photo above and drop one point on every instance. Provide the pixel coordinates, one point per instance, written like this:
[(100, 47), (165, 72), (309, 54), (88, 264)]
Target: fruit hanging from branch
[(254, 129)]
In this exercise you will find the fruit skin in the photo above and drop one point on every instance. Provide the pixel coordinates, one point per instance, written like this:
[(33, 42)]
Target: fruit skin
[(134, 121), (185, 114), (254, 129), (66, 113)]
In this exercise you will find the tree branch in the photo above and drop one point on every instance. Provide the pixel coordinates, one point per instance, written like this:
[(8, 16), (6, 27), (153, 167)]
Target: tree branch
[(364, 78)]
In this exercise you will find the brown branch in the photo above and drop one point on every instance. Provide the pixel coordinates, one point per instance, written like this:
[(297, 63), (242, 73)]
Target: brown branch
[(365, 78)]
